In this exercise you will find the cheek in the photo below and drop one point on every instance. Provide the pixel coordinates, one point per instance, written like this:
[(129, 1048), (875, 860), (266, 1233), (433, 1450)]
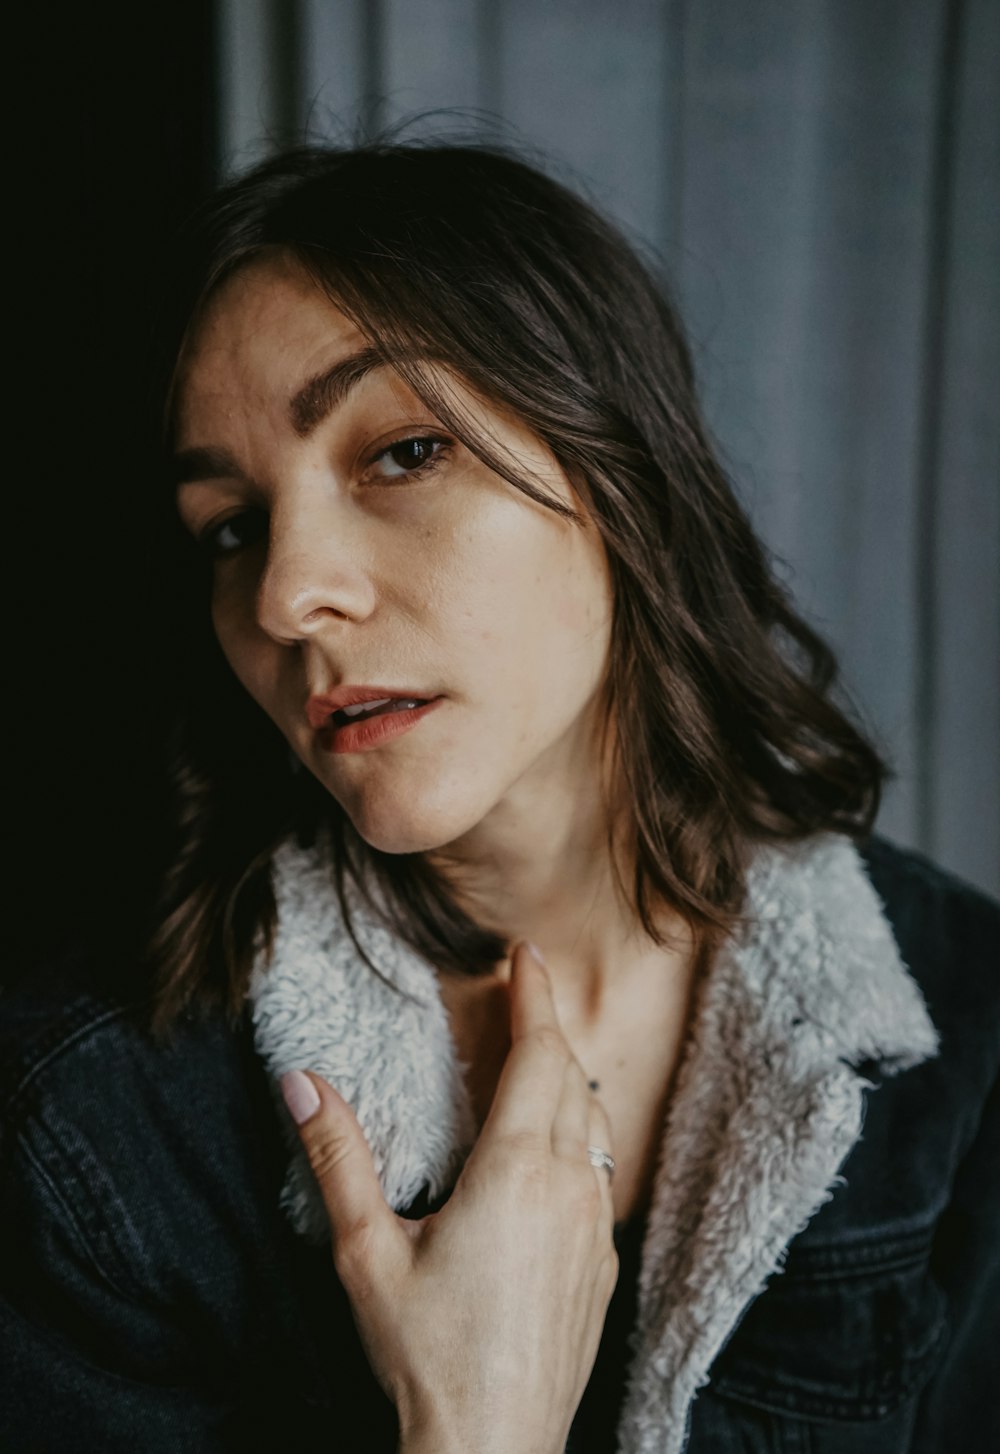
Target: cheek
[(243, 644), (574, 599), (572, 613), (538, 628), (524, 592)]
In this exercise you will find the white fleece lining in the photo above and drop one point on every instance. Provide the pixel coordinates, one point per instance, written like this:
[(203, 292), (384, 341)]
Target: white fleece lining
[(766, 1108)]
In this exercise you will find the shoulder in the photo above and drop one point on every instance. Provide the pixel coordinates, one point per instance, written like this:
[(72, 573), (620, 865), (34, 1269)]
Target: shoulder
[(948, 934), (76, 1051), (925, 1158), (932, 909), (866, 939), (151, 1286), (877, 1326), (122, 1157)]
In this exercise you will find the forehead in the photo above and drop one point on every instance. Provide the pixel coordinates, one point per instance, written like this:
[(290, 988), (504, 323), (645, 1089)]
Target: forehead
[(262, 332)]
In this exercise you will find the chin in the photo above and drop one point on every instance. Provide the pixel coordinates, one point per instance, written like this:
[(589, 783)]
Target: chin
[(407, 821)]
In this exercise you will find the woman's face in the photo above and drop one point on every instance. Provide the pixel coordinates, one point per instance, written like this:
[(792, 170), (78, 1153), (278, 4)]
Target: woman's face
[(346, 554)]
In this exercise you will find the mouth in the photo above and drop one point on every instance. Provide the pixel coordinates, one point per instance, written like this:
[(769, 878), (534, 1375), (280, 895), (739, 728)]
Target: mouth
[(343, 716), (346, 704), (372, 723)]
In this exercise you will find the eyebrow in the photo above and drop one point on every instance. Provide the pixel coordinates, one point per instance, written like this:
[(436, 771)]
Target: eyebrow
[(322, 393), (190, 465), (308, 407)]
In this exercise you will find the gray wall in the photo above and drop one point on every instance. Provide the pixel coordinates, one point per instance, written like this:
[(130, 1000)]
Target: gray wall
[(822, 182)]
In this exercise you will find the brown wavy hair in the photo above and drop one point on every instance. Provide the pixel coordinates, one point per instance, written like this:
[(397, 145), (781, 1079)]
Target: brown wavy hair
[(726, 728)]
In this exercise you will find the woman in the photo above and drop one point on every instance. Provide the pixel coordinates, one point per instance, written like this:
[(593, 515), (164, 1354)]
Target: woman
[(432, 428)]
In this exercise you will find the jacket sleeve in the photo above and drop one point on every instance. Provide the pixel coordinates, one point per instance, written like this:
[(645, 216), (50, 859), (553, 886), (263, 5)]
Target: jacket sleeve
[(84, 1366), (949, 935), (53, 1398), (960, 1408), (152, 1296)]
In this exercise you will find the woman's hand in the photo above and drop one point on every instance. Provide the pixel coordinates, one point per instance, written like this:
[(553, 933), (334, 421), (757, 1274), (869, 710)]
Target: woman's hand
[(481, 1321)]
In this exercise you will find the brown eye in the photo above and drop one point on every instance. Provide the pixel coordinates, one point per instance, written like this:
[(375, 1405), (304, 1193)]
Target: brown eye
[(407, 456), (234, 533)]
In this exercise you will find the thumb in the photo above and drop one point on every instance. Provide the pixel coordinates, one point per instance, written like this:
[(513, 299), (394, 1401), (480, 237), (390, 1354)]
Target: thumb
[(341, 1162)]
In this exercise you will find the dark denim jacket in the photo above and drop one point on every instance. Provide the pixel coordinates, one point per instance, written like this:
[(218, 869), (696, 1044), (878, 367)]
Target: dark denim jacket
[(154, 1297)]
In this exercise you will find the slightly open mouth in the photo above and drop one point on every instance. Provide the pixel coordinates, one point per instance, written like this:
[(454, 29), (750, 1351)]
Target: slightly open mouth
[(341, 718)]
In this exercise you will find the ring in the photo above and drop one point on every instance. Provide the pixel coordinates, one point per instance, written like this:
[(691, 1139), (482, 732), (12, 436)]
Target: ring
[(601, 1158)]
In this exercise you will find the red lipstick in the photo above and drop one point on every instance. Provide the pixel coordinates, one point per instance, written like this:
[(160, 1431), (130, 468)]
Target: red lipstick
[(400, 709)]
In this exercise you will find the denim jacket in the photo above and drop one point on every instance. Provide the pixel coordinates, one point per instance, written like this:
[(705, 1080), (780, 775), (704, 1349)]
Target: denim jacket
[(159, 1289)]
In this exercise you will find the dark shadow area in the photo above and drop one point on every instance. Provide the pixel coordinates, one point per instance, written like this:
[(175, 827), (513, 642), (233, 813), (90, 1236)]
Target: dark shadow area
[(115, 148)]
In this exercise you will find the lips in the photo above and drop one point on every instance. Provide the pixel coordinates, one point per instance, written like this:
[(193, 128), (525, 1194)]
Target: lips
[(365, 734), (320, 709), (360, 713)]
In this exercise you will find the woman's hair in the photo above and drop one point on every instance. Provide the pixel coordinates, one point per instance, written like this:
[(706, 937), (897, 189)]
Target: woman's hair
[(726, 733)]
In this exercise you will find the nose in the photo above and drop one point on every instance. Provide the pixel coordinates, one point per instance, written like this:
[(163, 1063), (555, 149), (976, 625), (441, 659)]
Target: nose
[(313, 573)]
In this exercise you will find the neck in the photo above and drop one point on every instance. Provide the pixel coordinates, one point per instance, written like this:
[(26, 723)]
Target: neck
[(551, 877)]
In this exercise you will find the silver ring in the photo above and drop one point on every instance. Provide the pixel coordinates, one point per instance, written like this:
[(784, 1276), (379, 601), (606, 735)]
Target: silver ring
[(601, 1158)]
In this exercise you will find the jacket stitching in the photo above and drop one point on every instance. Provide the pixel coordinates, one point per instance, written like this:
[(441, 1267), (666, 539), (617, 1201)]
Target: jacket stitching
[(35, 1069), (69, 1212)]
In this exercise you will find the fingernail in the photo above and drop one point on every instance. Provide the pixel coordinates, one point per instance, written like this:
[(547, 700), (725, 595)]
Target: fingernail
[(301, 1096), (535, 951)]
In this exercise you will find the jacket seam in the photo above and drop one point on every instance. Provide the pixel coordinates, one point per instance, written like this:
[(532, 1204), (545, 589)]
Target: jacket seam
[(37, 1067), (796, 1399), (846, 1269), (71, 1213), (71, 1216)]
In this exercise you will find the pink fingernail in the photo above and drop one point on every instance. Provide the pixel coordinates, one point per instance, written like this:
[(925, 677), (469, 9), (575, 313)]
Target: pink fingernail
[(536, 952), (301, 1096)]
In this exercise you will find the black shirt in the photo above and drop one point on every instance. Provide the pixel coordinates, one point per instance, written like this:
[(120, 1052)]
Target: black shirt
[(596, 1421)]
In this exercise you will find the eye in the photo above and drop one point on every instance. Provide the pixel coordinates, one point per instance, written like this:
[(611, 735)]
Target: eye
[(408, 456), (234, 533)]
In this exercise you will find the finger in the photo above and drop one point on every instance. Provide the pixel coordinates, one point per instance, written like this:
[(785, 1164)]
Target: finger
[(599, 1134), (532, 1004), (341, 1162), (571, 1125), (531, 1082)]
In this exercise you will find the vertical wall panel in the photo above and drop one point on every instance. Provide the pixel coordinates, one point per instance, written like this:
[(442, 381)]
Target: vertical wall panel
[(340, 72), (964, 696), (585, 79), (806, 223), (431, 57), (259, 45)]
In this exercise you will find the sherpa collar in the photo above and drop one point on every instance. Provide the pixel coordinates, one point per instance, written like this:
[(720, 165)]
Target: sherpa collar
[(767, 1104)]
